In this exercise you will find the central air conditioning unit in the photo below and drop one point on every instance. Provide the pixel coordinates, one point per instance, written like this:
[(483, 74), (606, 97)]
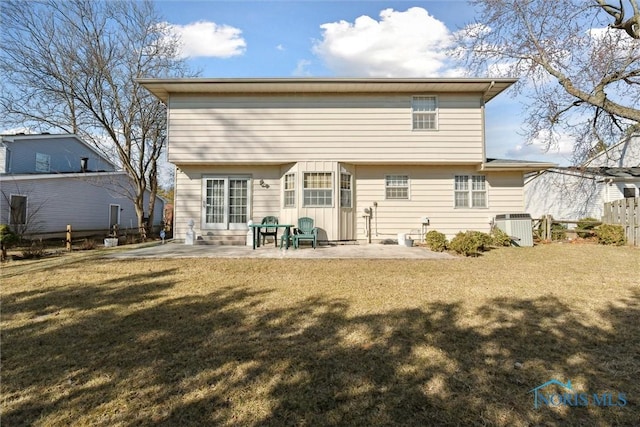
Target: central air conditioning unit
[(518, 226)]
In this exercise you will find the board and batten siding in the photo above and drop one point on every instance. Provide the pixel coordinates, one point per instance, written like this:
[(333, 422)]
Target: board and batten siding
[(361, 128), (431, 191)]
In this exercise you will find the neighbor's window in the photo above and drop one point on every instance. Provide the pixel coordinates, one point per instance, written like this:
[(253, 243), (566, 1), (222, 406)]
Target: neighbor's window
[(425, 112), (18, 214), (43, 162), (317, 189), (290, 190), (628, 192), (396, 187), (470, 191), (345, 190)]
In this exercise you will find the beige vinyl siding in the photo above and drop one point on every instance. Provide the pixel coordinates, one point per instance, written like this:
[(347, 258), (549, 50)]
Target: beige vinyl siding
[(350, 128), (431, 195), (188, 205), (324, 217)]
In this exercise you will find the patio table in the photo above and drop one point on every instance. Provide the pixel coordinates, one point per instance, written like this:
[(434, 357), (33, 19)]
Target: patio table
[(256, 235)]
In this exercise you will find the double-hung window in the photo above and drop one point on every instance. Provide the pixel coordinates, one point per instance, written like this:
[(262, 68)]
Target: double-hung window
[(396, 187), (470, 191), (425, 112), (290, 190), (317, 189)]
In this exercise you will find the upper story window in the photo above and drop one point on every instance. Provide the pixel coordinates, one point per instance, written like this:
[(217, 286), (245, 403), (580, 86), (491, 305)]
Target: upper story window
[(396, 187), (290, 190), (425, 112), (470, 191), (43, 162), (317, 189)]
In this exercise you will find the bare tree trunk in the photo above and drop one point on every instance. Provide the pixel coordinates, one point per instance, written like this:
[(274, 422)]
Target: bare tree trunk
[(82, 78)]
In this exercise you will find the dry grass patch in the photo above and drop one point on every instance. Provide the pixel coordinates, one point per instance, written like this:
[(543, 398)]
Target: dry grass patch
[(322, 342)]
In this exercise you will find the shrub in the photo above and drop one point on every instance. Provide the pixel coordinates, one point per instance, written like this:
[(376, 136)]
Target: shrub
[(484, 239), (611, 234), (88, 244), (470, 242), (558, 232), (586, 224), (36, 250), (7, 239), (500, 238), (436, 241)]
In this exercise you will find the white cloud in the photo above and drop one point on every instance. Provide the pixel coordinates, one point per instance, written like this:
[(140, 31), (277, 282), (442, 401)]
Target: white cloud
[(400, 44), (280, 47), (209, 39), (302, 68), (562, 151)]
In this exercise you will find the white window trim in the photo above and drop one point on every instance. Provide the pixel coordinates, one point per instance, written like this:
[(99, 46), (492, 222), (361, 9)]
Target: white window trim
[(408, 186), (43, 159), (470, 192), (285, 190), (203, 194), (436, 113), (350, 190), (111, 205), (332, 189)]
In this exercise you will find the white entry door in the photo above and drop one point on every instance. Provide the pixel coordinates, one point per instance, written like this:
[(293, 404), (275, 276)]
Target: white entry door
[(225, 203)]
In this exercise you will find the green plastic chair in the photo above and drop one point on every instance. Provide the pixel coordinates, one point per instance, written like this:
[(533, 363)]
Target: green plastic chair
[(305, 231), (269, 231)]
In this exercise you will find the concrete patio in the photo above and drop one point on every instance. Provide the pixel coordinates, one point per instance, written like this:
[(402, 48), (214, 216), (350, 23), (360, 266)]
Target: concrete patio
[(370, 251)]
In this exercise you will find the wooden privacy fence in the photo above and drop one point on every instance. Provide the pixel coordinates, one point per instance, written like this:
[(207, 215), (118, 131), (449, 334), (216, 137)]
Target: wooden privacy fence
[(625, 212)]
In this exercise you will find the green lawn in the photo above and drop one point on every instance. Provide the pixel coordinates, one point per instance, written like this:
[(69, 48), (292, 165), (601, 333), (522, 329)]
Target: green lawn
[(322, 342)]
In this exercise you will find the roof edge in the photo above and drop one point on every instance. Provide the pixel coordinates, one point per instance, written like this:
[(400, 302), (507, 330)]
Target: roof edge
[(161, 88)]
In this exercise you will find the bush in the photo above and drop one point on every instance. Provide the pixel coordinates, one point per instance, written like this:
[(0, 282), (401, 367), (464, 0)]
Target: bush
[(36, 250), (484, 239), (586, 224), (470, 242), (88, 244), (558, 232), (500, 238), (436, 241), (7, 239), (611, 234)]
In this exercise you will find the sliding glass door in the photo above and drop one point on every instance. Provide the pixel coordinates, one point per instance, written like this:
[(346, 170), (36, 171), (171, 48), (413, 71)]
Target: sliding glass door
[(225, 202)]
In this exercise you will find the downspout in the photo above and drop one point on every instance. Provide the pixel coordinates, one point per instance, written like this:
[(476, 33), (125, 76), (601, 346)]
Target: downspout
[(482, 109)]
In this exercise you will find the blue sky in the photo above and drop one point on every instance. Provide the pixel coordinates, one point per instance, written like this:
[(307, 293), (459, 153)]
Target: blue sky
[(316, 38)]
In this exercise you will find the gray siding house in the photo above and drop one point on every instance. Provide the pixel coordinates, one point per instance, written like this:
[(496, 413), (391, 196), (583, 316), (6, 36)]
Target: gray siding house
[(49, 181), (578, 192), (367, 159)]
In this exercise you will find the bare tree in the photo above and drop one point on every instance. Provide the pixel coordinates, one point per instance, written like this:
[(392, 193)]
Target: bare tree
[(19, 210), (71, 65), (579, 64)]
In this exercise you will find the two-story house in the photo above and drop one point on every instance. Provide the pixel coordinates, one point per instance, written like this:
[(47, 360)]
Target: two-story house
[(49, 181), (366, 158)]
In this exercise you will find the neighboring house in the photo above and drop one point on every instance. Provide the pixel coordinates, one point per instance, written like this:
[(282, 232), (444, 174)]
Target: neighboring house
[(49, 181), (577, 192), (365, 158)]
